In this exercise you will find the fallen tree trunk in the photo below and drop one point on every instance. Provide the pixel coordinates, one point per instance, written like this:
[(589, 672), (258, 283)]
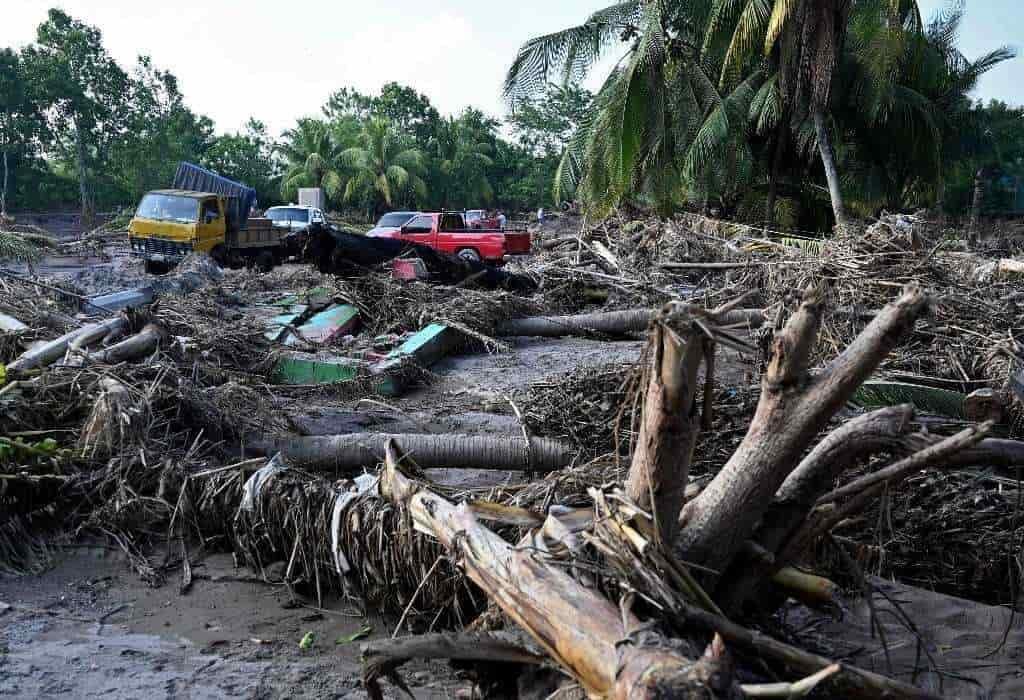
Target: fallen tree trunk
[(608, 323), (143, 343), (426, 451), (52, 351), (793, 408), (603, 647)]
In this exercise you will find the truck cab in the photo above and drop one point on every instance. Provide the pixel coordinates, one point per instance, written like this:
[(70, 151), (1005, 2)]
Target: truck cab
[(170, 224)]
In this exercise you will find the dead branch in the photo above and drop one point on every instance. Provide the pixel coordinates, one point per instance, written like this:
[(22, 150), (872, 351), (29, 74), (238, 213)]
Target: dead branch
[(381, 658)]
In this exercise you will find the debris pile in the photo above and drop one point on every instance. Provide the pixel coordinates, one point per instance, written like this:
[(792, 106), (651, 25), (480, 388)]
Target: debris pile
[(648, 515)]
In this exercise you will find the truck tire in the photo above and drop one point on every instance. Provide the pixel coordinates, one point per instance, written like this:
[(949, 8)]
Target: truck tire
[(265, 261), (469, 254), (153, 267)]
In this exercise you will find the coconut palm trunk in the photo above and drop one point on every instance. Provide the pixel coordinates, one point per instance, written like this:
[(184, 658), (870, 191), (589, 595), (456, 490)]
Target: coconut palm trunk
[(773, 176), (828, 159), (3, 188)]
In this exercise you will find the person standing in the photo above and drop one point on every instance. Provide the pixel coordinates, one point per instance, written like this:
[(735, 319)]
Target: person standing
[(502, 220), (540, 215)]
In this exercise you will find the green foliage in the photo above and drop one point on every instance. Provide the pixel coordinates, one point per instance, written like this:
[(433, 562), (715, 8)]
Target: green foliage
[(385, 169), (16, 247), (248, 157), (719, 99), (924, 398), (311, 153)]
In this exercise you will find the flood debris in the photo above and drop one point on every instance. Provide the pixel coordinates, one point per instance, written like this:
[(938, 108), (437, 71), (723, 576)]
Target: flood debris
[(797, 414)]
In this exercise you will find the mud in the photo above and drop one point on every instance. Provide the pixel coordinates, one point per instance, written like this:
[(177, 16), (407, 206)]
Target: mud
[(89, 628)]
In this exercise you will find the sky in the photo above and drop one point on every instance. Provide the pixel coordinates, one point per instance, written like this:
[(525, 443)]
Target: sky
[(277, 61)]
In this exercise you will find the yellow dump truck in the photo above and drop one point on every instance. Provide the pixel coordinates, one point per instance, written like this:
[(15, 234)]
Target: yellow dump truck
[(204, 213)]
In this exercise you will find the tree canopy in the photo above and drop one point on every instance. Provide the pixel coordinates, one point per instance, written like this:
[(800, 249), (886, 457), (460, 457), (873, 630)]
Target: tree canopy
[(786, 111)]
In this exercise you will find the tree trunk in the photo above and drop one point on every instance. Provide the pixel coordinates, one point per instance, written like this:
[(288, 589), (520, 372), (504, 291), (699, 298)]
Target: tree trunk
[(609, 323), (793, 408), (54, 350), (659, 471), (976, 202), (83, 184), (3, 188), (605, 648), (347, 452), (828, 159), (143, 343), (773, 176)]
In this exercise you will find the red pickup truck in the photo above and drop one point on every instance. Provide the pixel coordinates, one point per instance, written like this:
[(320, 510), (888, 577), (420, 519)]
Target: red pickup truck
[(447, 232)]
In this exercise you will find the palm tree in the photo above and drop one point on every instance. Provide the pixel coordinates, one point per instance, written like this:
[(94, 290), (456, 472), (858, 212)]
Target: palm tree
[(383, 166), (904, 129), (649, 110), (312, 155), (462, 157)]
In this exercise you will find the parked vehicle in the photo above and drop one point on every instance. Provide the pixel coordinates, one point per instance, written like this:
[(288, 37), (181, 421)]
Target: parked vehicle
[(448, 233), (478, 219), (204, 213), (298, 221), (392, 222)]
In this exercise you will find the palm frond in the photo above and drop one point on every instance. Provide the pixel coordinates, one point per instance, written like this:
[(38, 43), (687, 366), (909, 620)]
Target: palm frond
[(569, 52), (924, 398)]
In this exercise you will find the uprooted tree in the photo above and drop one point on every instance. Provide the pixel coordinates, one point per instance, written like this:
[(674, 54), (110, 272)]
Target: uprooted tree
[(758, 516)]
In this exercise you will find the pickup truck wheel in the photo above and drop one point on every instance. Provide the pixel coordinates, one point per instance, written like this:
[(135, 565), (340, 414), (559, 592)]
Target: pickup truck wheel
[(469, 254)]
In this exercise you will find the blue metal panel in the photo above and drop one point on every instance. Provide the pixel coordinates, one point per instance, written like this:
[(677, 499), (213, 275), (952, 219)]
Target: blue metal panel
[(241, 199)]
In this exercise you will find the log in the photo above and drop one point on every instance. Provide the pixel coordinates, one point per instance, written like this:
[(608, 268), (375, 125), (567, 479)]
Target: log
[(50, 352), (792, 409), (609, 323), (552, 243), (143, 343), (604, 648), (9, 324), (358, 450)]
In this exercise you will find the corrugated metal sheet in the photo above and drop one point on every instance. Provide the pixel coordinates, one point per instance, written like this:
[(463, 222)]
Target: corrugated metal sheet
[(241, 198)]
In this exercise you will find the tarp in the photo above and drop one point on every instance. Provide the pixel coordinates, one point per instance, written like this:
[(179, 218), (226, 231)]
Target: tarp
[(241, 199)]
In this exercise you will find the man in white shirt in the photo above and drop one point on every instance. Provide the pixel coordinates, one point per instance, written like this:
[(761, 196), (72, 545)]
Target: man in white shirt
[(502, 220)]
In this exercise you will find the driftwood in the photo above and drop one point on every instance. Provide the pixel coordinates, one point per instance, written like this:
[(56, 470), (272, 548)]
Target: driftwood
[(360, 450), (143, 343), (52, 351), (793, 408), (605, 649), (609, 323)]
